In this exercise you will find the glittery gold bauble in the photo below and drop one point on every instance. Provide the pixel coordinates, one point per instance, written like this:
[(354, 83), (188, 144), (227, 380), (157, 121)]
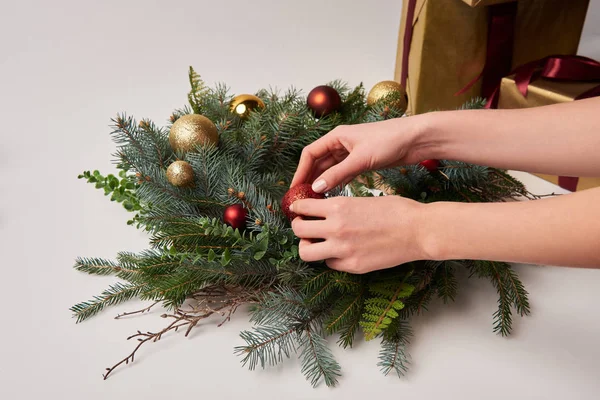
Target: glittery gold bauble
[(243, 104), (386, 88), (191, 131), (180, 174)]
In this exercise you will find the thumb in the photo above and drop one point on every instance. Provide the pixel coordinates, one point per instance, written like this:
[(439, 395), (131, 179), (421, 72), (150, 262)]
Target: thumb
[(338, 174)]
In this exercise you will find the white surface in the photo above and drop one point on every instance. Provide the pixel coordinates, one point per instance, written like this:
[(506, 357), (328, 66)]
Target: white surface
[(66, 67)]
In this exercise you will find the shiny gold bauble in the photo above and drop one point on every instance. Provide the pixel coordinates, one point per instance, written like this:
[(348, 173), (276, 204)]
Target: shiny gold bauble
[(191, 131), (386, 88), (243, 104), (180, 174)]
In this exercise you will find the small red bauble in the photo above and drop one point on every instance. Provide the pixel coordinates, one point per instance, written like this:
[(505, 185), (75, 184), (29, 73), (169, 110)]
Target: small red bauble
[(298, 192), (430, 165), (323, 100), (235, 216)]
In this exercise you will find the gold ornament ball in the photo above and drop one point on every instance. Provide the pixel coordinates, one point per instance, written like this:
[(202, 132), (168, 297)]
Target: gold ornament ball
[(243, 104), (386, 88), (192, 130), (180, 174)]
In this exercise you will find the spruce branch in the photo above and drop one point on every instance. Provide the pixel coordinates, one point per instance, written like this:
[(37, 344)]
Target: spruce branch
[(393, 355), (316, 358)]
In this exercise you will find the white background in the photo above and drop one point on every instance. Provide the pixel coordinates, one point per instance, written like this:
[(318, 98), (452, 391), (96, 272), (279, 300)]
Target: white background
[(67, 67)]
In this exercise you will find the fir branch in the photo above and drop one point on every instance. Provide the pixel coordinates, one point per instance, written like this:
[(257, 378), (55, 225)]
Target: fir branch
[(494, 272), (114, 295), (97, 266), (445, 281), (519, 294), (348, 331), (346, 311)]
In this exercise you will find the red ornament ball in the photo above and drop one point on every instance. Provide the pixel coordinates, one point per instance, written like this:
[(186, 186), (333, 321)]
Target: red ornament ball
[(298, 192), (235, 216), (323, 100), (430, 165)]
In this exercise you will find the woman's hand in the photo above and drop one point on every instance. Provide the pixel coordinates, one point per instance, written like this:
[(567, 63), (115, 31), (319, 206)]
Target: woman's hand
[(360, 234), (349, 150)]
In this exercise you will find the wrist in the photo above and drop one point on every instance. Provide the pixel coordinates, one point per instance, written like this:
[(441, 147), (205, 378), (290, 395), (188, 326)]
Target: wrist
[(432, 138), (431, 240)]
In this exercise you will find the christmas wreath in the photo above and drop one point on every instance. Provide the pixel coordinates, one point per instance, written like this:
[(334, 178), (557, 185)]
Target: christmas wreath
[(211, 190)]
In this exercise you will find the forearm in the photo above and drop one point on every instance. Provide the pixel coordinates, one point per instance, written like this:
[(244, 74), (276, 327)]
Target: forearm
[(561, 139), (563, 230)]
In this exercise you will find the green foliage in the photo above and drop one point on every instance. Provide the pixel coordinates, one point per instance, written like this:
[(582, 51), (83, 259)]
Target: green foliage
[(121, 189), (115, 294), (445, 281), (298, 304), (198, 93), (286, 324), (393, 355), (316, 359), (511, 292), (382, 307)]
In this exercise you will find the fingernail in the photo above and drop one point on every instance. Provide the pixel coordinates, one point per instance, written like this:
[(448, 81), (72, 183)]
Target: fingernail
[(292, 207), (319, 186)]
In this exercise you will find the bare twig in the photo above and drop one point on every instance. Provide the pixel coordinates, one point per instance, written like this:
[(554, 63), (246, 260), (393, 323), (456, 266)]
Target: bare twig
[(210, 300), (143, 310)]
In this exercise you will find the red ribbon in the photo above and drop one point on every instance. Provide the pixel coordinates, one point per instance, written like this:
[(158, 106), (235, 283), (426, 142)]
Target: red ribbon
[(408, 32), (559, 67), (498, 58)]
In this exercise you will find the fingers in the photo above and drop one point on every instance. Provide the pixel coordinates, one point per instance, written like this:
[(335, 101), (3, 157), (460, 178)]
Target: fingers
[(309, 156), (306, 229), (320, 166), (310, 251), (310, 207), (339, 174)]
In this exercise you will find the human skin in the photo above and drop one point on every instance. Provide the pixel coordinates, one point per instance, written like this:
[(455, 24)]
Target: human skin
[(359, 235)]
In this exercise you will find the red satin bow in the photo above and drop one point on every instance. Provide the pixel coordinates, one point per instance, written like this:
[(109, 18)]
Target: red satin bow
[(566, 68), (561, 67)]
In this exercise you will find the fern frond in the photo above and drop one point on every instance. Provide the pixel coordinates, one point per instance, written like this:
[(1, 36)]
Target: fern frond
[(198, 93), (383, 306)]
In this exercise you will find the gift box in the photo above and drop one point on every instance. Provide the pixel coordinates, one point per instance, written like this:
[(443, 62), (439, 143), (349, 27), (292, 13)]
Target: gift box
[(448, 45), (548, 81), (541, 92)]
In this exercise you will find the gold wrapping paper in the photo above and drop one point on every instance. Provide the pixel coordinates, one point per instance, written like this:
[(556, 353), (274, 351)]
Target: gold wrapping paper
[(448, 49), (543, 92), (449, 44), (477, 3), (546, 27)]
